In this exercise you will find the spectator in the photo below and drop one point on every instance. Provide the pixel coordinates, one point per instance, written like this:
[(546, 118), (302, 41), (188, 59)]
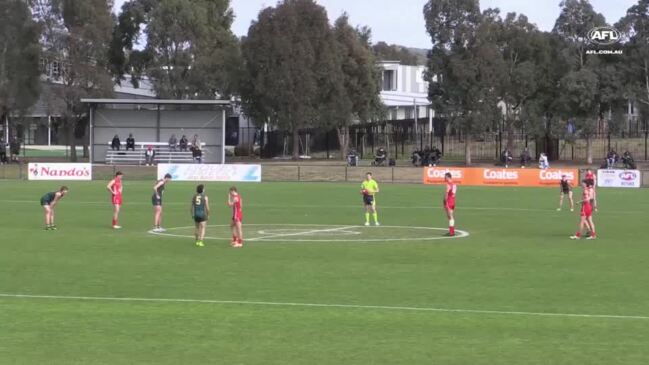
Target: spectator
[(149, 156), (183, 143), (197, 152), (628, 161), (435, 156), (543, 162), (352, 158), (611, 159), (3, 151), (506, 157), (525, 158), (115, 144), (130, 143), (14, 149), (173, 142), (196, 141)]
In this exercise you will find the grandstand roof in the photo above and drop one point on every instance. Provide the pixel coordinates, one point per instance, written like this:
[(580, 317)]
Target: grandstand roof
[(156, 101)]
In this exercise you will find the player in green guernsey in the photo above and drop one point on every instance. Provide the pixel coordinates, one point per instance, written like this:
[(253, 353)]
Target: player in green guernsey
[(156, 200), (200, 210), (369, 188), (48, 202)]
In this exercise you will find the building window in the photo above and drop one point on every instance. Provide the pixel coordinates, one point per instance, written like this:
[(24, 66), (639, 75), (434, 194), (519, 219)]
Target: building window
[(410, 113), (389, 80), (44, 66), (56, 69), (394, 114)]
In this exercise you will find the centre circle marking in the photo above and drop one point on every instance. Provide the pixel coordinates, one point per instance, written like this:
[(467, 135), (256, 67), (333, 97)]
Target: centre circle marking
[(292, 233)]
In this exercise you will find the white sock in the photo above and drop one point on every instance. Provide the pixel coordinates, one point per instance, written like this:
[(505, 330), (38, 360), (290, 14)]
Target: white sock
[(451, 222)]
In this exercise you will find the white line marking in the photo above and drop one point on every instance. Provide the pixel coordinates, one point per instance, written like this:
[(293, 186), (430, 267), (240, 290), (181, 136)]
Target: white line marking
[(458, 234), (304, 233), (322, 305)]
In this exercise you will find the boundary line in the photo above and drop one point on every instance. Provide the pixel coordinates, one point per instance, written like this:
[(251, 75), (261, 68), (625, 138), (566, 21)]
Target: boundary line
[(323, 305)]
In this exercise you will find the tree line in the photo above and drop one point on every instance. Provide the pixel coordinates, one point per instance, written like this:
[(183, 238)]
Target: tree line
[(296, 69), (486, 68)]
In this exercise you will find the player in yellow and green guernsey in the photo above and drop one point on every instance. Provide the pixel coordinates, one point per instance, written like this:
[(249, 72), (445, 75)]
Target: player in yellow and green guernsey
[(369, 188), (200, 211)]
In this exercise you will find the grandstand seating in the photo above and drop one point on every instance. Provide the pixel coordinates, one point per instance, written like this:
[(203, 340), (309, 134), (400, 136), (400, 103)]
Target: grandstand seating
[(163, 154)]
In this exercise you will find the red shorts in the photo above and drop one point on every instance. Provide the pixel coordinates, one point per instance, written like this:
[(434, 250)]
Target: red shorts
[(237, 218), (117, 199), (586, 210), (449, 204)]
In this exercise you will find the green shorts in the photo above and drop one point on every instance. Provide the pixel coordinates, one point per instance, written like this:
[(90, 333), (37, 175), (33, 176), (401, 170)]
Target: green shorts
[(155, 201), (45, 202), (200, 219)]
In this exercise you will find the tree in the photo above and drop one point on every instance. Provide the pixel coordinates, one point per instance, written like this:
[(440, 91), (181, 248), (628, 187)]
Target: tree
[(580, 96), (393, 52), (464, 66), (576, 19), (291, 66), (524, 49), (19, 57), (77, 35), (190, 51), (635, 73), (358, 98)]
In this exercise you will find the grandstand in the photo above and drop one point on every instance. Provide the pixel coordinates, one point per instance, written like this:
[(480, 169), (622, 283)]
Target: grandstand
[(163, 154), (152, 121)]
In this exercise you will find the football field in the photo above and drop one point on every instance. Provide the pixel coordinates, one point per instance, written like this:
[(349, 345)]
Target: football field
[(312, 285)]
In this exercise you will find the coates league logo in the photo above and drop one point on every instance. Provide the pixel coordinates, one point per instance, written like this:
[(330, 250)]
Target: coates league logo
[(628, 176), (34, 170), (604, 36)]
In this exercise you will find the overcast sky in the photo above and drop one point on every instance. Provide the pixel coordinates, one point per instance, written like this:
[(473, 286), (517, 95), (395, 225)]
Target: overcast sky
[(401, 21)]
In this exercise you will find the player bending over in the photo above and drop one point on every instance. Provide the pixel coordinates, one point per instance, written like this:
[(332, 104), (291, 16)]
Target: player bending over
[(586, 219), (115, 189), (48, 202), (449, 203), (234, 202), (156, 200), (566, 189), (369, 188), (200, 210)]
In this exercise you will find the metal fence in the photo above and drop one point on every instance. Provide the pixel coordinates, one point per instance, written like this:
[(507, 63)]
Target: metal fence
[(401, 141)]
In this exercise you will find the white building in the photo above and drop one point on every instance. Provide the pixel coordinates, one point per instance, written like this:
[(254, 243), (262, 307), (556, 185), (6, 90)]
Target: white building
[(405, 92), (41, 124)]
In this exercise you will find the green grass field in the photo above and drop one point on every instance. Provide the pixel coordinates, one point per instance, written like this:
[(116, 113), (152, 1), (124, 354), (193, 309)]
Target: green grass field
[(313, 287)]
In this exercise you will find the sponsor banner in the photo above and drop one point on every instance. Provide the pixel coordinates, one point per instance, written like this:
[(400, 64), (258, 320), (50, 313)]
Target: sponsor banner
[(201, 172), (59, 171), (619, 178), (499, 176)]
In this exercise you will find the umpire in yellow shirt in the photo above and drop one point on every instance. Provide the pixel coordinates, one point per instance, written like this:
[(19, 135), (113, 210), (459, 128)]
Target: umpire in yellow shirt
[(369, 188)]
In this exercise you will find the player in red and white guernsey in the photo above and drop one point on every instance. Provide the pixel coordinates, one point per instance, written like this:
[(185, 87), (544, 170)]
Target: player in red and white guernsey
[(590, 180), (115, 189), (234, 202), (449, 202), (586, 220)]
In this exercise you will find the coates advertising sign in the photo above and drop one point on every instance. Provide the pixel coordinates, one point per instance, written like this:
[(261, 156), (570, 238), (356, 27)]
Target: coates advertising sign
[(200, 172), (60, 171), (618, 178), (435, 175), (499, 176)]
